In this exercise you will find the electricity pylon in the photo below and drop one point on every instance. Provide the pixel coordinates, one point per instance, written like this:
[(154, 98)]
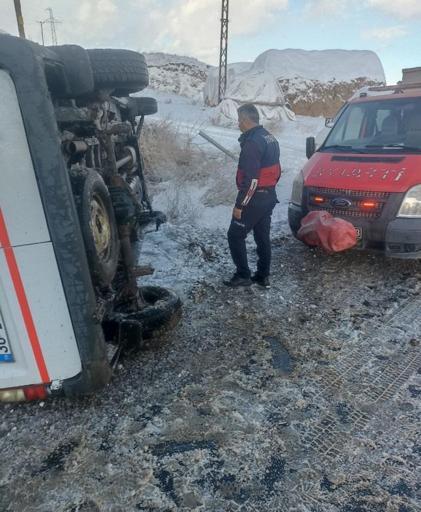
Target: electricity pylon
[(223, 52)]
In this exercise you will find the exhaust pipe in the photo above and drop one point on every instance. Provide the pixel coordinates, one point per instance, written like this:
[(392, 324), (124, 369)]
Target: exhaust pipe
[(76, 146)]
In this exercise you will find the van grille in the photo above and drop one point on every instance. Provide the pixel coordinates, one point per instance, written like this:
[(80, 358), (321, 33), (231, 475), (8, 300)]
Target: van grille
[(347, 203)]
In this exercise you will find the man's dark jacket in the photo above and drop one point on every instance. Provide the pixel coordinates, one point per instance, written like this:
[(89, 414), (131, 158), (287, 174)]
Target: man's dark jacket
[(258, 166)]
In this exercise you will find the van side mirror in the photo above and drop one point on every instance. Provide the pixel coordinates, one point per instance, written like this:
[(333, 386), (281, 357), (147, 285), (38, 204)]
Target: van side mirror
[(329, 122), (310, 146)]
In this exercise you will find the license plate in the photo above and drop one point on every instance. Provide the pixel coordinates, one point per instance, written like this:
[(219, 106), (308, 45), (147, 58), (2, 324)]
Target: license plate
[(6, 355), (359, 233)]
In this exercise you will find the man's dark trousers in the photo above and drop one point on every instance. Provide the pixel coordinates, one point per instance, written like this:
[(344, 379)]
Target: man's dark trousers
[(255, 216)]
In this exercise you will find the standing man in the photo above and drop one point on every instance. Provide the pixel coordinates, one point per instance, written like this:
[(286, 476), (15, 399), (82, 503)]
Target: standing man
[(257, 175)]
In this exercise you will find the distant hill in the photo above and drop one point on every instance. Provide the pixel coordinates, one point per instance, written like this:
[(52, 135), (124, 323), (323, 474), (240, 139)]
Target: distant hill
[(177, 74)]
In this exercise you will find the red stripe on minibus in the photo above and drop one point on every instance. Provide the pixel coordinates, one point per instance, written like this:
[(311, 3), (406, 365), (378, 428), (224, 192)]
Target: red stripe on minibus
[(22, 299)]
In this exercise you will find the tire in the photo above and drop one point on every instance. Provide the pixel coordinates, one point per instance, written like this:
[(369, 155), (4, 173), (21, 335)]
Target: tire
[(294, 231), (162, 313), (54, 69), (77, 67), (121, 71), (145, 106), (98, 226), (294, 222)]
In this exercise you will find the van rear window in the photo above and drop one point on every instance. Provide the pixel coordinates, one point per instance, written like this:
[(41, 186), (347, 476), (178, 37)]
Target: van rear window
[(384, 126)]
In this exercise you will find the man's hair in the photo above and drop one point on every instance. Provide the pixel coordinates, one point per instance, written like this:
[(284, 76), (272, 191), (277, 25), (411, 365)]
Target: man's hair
[(250, 111)]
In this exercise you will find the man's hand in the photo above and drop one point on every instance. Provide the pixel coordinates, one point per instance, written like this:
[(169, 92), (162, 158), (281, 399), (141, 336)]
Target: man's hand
[(236, 213)]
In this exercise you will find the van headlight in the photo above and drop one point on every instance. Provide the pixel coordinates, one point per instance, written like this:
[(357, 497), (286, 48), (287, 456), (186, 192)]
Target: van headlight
[(297, 189), (411, 205)]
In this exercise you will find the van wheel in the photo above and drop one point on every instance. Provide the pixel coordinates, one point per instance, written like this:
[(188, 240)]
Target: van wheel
[(121, 71), (77, 67), (145, 106), (294, 223), (98, 226)]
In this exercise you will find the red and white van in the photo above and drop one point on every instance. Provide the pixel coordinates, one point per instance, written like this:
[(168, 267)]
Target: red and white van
[(368, 171), (68, 287)]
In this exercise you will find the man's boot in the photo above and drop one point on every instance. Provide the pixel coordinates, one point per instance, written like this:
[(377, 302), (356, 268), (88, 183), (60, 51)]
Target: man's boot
[(260, 280), (236, 281)]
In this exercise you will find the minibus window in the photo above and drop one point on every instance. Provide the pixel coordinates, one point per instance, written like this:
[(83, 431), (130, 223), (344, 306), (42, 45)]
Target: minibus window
[(389, 126), (354, 124)]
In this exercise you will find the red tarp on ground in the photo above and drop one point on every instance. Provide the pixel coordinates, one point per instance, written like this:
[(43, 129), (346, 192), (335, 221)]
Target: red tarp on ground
[(322, 230)]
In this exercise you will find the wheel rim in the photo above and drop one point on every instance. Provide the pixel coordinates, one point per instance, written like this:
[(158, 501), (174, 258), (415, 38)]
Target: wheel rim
[(101, 227)]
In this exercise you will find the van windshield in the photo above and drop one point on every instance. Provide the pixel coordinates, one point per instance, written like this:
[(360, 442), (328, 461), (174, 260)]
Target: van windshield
[(383, 126)]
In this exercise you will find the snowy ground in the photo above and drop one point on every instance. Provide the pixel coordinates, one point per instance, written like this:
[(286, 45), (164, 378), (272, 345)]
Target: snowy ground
[(301, 398), (204, 221), (192, 117)]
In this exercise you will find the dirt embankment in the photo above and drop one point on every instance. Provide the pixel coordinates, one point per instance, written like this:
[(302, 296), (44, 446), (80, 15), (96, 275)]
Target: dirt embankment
[(314, 98)]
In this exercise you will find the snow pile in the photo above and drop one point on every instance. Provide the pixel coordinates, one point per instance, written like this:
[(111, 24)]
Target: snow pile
[(310, 82), (321, 65), (211, 88), (225, 114), (185, 76), (246, 85)]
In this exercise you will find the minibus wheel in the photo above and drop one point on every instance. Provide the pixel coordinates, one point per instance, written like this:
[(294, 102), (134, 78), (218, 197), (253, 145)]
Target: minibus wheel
[(98, 226)]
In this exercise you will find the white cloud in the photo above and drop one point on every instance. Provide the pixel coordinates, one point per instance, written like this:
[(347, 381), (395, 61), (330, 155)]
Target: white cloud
[(248, 18), (325, 8), (404, 9), (385, 34), (97, 14), (193, 26), (189, 27)]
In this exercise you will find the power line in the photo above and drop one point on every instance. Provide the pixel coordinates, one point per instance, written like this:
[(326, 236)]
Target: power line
[(223, 51)]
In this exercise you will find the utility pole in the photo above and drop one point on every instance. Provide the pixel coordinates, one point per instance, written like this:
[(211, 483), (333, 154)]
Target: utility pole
[(223, 51), (41, 24), (19, 18), (52, 21)]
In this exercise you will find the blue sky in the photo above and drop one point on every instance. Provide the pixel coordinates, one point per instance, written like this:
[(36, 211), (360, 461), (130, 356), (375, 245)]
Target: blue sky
[(191, 27)]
